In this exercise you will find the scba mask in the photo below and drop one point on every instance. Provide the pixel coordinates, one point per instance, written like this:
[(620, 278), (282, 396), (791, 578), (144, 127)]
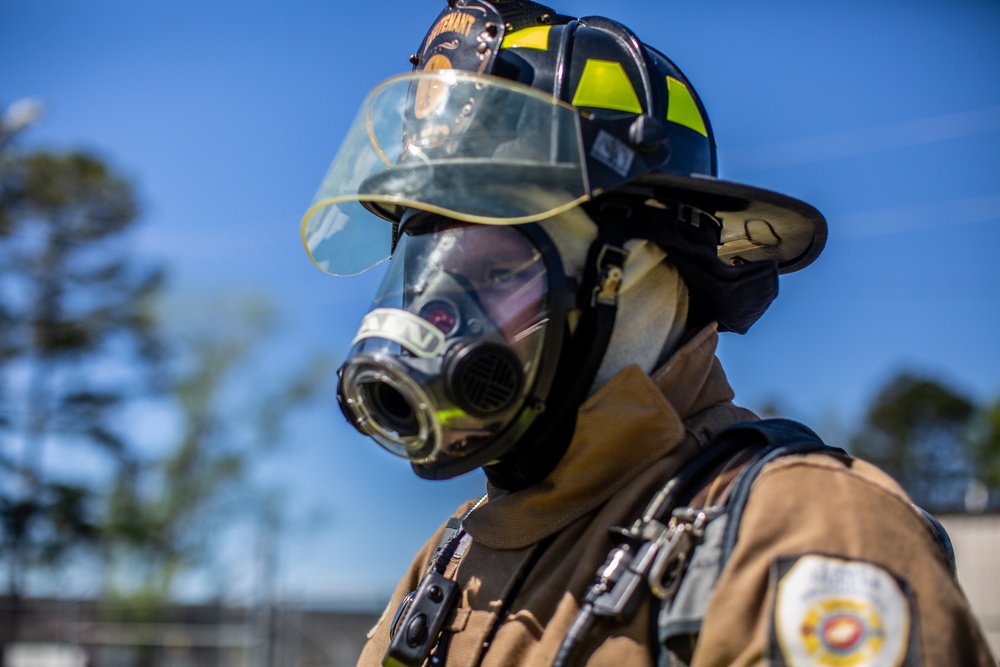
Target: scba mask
[(455, 359)]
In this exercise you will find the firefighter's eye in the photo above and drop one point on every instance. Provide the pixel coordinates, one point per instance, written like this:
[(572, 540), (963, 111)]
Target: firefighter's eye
[(498, 276)]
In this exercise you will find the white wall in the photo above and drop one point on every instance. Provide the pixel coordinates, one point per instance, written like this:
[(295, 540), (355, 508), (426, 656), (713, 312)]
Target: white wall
[(977, 549)]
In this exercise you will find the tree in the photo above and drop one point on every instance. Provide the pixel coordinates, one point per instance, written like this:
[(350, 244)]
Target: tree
[(167, 515), (77, 343), (984, 452), (82, 348), (916, 429)]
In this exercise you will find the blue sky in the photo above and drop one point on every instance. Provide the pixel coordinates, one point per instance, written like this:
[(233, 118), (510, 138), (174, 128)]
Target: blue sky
[(885, 116)]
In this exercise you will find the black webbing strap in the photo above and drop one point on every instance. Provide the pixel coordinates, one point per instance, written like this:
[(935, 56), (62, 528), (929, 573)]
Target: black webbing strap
[(780, 437), (520, 14)]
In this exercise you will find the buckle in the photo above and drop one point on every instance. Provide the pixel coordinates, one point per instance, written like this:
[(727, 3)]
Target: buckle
[(695, 216), (610, 261), (685, 531)]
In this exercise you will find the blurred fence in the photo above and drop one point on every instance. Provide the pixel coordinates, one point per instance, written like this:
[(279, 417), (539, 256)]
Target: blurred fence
[(75, 633)]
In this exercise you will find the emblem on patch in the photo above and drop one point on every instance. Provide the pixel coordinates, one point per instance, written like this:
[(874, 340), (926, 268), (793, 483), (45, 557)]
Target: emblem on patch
[(831, 612)]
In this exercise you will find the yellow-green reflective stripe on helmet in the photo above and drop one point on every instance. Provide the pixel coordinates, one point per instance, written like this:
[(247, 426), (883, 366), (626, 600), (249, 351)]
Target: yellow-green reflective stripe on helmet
[(605, 85), (536, 37), (682, 109)]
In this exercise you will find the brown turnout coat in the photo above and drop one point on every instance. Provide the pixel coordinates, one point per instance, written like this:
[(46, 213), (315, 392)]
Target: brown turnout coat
[(633, 434)]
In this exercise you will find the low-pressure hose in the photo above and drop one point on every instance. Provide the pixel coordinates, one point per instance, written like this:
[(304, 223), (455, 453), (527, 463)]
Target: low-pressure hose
[(582, 624), (621, 582), (617, 563)]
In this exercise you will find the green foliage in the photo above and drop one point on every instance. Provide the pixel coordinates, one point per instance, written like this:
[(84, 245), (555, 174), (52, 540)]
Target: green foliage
[(933, 439), (77, 344), (167, 516), (81, 339), (56, 519), (984, 445), (76, 194)]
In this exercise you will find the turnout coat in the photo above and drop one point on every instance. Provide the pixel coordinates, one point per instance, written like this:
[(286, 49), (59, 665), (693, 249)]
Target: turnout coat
[(833, 566)]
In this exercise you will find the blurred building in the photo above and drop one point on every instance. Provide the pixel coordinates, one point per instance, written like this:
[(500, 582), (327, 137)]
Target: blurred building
[(976, 538)]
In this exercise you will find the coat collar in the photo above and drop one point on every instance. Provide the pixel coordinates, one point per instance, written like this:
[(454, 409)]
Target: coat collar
[(622, 429)]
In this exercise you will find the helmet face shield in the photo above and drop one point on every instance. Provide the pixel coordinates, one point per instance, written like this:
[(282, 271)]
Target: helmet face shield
[(470, 147), (449, 356)]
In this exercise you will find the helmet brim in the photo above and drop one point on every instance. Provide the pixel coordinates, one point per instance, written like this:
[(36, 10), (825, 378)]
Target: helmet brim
[(758, 224)]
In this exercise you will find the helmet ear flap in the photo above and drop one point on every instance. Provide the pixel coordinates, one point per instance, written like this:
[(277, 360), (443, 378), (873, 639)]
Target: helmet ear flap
[(735, 296)]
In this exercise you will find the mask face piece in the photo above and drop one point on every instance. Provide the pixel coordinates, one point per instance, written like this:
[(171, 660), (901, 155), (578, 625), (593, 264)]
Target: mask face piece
[(453, 358)]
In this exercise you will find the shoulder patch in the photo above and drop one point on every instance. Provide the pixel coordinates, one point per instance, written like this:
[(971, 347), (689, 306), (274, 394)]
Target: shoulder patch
[(834, 612)]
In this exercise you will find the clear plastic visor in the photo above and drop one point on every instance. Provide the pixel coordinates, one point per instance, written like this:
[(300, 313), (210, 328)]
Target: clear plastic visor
[(469, 147)]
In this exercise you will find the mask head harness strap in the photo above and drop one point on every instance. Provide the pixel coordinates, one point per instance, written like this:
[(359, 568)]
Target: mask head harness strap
[(581, 357), (602, 281)]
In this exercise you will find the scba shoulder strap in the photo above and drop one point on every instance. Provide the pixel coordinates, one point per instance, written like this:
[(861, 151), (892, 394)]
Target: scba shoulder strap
[(675, 552), (653, 555), (679, 547), (680, 617)]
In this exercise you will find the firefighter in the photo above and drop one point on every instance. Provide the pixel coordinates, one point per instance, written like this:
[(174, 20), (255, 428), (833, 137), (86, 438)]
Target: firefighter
[(561, 258)]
